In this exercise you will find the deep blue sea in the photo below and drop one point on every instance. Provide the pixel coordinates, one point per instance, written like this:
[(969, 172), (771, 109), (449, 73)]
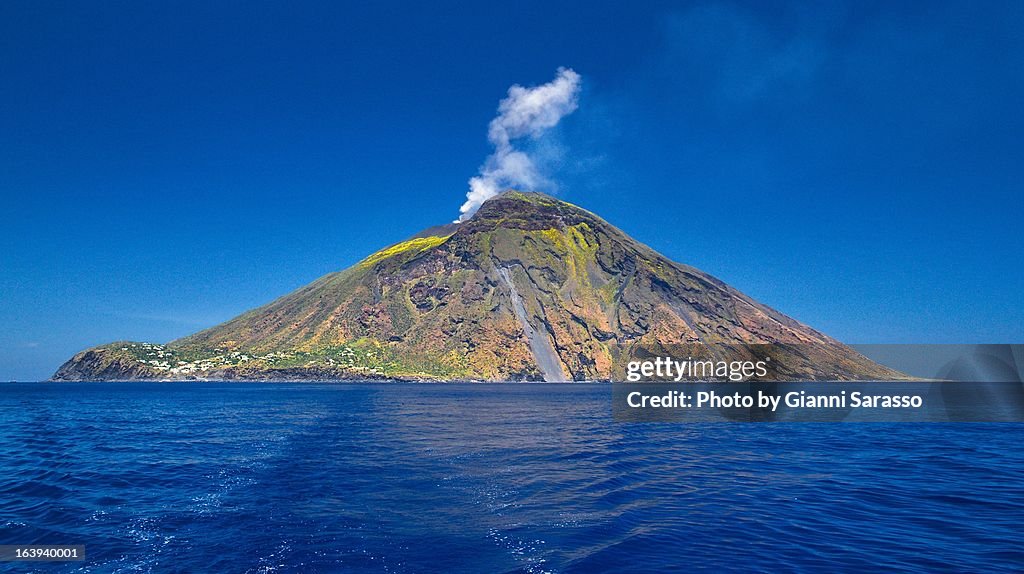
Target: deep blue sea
[(198, 477)]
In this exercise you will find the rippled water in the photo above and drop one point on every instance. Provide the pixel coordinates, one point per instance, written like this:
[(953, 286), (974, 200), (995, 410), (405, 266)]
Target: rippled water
[(487, 478)]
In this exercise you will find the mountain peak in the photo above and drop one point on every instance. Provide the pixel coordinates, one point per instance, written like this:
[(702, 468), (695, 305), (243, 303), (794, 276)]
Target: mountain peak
[(525, 195), (528, 211), (510, 198), (525, 209)]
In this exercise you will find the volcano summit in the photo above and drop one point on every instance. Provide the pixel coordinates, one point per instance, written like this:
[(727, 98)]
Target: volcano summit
[(529, 288)]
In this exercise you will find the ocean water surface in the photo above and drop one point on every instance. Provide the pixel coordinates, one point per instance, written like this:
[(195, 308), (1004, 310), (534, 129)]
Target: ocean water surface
[(238, 477)]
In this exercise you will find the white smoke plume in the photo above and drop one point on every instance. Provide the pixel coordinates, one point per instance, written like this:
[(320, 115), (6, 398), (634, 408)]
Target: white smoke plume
[(526, 112)]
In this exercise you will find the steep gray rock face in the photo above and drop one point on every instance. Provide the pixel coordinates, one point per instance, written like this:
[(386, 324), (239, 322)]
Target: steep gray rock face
[(540, 343)]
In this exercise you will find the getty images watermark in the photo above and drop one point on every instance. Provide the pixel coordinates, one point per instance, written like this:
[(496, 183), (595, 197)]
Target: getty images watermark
[(670, 369)]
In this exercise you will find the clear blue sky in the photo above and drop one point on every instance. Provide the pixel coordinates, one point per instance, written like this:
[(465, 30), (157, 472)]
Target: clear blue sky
[(166, 166)]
